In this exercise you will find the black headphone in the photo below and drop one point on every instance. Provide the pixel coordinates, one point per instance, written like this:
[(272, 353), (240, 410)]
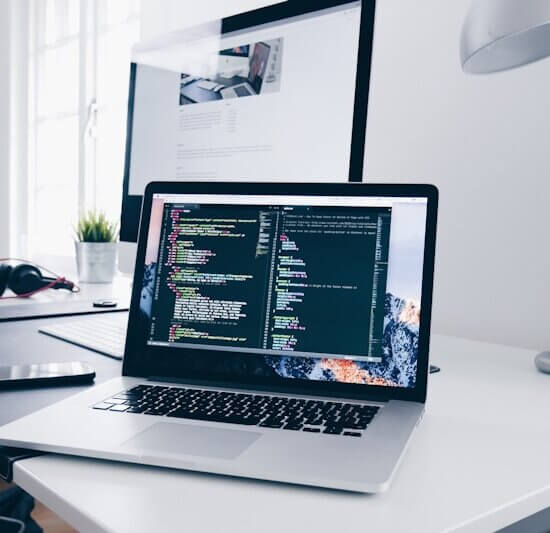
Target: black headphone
[(26, 279)]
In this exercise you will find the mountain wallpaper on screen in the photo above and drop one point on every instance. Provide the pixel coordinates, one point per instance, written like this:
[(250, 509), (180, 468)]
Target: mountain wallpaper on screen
[(400, 345)]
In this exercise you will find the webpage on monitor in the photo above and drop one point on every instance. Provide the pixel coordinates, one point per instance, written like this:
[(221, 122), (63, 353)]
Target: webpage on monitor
[(257, 104)]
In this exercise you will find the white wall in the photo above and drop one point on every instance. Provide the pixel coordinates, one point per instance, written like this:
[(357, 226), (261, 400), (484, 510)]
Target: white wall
[(4, 126), (483, 140)]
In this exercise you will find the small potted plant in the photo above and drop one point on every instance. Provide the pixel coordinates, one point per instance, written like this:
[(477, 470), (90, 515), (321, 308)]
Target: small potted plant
[(96, 248)]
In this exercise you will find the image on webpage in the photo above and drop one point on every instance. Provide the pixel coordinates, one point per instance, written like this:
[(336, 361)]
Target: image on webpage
[(246, 70)]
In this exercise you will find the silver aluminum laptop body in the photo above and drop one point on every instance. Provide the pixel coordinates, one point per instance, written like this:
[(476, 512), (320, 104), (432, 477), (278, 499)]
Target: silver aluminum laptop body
[(245, 89), (364, 463)]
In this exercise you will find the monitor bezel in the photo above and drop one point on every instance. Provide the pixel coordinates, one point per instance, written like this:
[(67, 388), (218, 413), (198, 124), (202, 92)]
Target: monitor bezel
[(131, 204), (146, 361)]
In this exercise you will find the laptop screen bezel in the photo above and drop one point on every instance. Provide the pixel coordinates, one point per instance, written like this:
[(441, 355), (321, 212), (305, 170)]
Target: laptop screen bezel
[(150, 361)]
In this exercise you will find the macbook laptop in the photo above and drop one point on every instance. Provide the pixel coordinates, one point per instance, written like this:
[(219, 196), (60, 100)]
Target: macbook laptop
[(258, 66), (276, 331)]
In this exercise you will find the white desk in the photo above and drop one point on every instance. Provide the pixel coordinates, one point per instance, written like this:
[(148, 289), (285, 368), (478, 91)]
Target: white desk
[(58, 302), (478, 462)]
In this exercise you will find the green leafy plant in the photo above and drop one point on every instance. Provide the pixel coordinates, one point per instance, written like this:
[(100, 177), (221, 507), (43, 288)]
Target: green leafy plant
[(94, 227)]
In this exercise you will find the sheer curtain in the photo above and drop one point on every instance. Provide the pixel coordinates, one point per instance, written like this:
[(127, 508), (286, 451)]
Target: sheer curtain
[(78, 87)]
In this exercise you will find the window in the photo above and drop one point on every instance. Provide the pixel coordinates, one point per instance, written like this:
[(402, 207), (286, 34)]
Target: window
[(79, 69)]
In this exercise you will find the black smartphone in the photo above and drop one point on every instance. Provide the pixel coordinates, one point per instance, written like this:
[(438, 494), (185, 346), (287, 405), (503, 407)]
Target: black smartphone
[(45, 374)]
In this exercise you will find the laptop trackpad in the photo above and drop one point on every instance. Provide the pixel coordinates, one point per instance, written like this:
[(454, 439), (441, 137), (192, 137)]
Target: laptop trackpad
[(187, 439)]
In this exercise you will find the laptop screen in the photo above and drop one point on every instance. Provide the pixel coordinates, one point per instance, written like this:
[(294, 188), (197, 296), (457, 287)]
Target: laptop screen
[(305, 287), (258, 65)]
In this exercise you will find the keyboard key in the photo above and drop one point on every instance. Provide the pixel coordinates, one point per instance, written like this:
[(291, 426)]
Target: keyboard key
[(312, 430), (103, 405), (331, 430), (352, 434), (271, 424), (351, 424), (293, 427), (135, 409), (157, 411), (133, 402), (119, 408)]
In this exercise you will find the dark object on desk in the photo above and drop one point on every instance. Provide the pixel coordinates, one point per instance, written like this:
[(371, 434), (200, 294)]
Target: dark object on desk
[(8, 456), (15, 512), (45, 374), (434, 369), (26, 279), (542, 362), (105, 303)]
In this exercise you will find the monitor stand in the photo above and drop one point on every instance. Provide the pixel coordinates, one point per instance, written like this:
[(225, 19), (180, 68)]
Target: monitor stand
[(127, 258)]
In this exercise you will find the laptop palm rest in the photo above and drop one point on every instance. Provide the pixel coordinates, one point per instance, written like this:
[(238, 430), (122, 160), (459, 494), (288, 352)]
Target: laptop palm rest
[(186, 439)]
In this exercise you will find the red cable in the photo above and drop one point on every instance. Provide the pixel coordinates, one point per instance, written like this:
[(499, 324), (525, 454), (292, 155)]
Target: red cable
[(31, 293), (58, 279)]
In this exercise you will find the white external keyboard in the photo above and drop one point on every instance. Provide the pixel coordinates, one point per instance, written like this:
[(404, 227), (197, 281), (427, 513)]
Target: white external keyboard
[(104, 333)]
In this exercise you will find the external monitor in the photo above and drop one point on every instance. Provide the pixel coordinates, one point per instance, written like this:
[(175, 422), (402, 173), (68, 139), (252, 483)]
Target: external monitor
[(304, 68)]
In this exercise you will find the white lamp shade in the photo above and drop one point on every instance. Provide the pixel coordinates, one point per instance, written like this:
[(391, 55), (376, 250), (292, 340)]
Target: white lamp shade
[(504, 34)]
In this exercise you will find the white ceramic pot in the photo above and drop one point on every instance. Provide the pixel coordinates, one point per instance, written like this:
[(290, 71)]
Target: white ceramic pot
[(96, 262)]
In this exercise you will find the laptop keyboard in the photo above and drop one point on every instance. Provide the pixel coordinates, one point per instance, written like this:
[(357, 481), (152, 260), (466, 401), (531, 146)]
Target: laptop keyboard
[(241, 90), (278, 412)]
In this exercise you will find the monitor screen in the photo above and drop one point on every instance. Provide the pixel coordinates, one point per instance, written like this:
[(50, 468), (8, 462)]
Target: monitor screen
[(277, 96), (293, 287)]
